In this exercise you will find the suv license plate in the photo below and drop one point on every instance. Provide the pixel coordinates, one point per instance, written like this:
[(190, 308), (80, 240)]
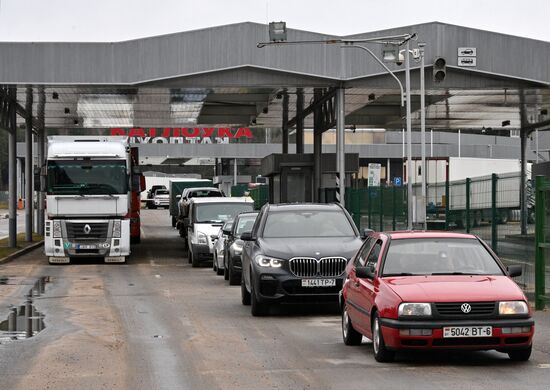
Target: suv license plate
[(318, 282), (467, 331)]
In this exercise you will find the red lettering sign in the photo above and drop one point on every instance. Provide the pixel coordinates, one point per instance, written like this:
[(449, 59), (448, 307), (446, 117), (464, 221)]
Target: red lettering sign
[(243, 132), (224, 132), (195, 132)]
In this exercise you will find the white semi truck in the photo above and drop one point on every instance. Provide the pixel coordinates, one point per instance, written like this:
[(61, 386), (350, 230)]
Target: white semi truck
[(479, 171), (88, 195)]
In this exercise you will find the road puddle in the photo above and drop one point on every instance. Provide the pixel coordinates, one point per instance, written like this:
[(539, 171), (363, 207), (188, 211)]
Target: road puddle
[(24, 321)]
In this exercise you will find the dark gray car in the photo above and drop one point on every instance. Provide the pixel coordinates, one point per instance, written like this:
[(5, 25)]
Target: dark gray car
[(296, 253)]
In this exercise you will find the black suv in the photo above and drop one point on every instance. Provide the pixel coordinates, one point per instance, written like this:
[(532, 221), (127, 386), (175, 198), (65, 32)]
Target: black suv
[(233, 246), (296, 253)]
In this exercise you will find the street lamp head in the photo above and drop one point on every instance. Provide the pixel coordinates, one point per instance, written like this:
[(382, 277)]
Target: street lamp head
[(390, 52), (277, 31)]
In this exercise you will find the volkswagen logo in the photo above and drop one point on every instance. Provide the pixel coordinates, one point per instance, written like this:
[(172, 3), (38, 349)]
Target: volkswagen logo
[(87, 229), (466, 308)]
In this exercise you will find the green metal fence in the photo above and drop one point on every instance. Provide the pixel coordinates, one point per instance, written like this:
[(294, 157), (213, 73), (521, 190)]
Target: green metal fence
[(488, 207), (378, 208), (542, 240)]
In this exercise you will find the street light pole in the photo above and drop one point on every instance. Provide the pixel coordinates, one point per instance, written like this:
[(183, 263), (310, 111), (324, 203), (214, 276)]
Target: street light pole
[(423, 133), (409, 137)]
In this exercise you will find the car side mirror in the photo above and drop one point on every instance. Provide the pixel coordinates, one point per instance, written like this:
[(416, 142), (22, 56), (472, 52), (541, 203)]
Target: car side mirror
[(227, 232), (365, 272), (247, 236), (365, 233), (514, 270)]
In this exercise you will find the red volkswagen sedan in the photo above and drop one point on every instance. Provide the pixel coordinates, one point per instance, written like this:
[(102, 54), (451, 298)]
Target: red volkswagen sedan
[(434, 290)]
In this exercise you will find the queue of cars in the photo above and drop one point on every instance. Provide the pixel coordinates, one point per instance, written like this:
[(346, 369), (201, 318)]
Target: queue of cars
[(402, 290)]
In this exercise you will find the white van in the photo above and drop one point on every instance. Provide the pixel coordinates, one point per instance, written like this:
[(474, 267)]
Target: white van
[(206, 217)]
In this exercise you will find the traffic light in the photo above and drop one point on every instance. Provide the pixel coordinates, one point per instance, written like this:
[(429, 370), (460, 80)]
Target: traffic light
[(439, 69)]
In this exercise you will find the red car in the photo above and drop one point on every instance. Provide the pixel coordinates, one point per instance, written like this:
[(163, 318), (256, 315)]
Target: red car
[(434, 290)]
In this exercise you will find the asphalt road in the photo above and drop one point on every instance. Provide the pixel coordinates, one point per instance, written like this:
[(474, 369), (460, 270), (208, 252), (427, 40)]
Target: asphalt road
[(157, 323)]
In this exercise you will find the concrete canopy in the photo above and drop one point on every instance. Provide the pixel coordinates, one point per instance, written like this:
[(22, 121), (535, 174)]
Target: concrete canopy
[(217, 76)]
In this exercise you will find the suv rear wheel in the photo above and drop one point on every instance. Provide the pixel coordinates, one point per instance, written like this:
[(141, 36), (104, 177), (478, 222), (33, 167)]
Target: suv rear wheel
[(233, 277), (245, 295)]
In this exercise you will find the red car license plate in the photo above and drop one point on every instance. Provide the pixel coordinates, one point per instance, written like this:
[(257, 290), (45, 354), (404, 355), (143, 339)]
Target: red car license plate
[(467, 331)]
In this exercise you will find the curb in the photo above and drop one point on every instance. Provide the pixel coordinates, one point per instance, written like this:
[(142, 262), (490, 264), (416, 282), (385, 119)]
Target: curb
[(21, 252)]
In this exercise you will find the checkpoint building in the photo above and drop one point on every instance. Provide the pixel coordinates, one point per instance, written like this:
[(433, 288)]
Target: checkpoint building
[(486, 95)]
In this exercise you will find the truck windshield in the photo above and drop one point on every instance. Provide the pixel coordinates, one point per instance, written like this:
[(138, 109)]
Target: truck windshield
[(220, 212), (87, 177)]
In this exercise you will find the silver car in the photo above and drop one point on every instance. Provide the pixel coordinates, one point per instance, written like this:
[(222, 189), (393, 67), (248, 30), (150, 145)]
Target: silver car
[(218, 262)]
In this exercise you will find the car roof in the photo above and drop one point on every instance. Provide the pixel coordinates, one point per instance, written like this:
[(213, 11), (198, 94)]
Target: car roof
[(304, 206), (203, 189), (222, 199), (247, 213), (408, 234)]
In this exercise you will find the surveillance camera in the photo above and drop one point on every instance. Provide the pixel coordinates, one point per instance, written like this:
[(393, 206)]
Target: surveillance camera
[(400, 60)]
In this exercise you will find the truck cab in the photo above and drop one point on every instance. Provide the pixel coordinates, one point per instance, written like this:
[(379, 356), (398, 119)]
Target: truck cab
[(88, 198)]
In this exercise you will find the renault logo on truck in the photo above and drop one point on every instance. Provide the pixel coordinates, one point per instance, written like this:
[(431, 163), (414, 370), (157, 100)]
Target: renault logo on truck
[(87, 229)]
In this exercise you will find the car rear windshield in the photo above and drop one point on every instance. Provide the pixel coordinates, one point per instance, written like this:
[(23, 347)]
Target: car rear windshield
[(439, 256), (317, 223), (162, 192), (220, 212), (204, 193)]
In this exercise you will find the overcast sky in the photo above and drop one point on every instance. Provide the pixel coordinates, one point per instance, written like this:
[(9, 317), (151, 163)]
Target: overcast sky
[(117, 20)]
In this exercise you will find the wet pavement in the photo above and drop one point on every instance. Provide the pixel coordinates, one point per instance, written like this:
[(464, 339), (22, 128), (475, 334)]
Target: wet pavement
[(157, 323)]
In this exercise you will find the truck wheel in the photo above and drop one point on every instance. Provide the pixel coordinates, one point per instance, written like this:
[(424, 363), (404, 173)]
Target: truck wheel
[(477, 219), (503, 217)]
